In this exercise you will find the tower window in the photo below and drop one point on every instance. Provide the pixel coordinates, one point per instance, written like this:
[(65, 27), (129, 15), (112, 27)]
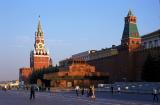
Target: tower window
[(132, 42)]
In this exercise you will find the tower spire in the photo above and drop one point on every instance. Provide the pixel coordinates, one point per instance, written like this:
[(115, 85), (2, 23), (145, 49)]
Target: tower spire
[(39, 28), (129, 13)]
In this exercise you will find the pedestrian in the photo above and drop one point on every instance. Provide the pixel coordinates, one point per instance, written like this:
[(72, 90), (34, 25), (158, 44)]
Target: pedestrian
[(119, 90), (5, 88), (77, 89), (32, 92), (93, 93), (155, 95)]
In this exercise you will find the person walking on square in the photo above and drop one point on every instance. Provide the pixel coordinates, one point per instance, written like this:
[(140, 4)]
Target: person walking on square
[(89, 92), (82, 91), (119, 90), (32, 92), (77, 89), (93, 93), (155, 95), (5, 88)]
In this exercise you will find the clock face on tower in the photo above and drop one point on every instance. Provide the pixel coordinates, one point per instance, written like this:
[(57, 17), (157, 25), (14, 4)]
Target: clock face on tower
[(40, 46)]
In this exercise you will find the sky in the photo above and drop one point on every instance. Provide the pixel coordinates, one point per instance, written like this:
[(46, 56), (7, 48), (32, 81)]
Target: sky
[(69, 26)]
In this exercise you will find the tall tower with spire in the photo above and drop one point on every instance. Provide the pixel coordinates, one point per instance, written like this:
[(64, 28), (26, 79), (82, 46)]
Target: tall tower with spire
[(130, 39), (39, 57)]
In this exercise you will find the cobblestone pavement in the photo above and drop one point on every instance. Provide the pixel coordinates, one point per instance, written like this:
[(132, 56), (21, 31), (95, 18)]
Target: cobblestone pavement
[(44, 98)]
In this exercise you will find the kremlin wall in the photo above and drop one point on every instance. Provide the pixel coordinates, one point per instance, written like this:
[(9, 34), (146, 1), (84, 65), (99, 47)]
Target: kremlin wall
[(123, 62)]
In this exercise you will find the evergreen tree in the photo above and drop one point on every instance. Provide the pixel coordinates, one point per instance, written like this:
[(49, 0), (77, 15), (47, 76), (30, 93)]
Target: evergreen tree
[(157, 69), (151, 69), (147, 68), (38, 74)]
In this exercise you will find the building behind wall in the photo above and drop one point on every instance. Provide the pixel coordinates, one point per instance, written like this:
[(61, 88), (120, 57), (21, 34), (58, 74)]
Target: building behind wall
[(96, 54), (106, 52), (84, 55), (151, 40)]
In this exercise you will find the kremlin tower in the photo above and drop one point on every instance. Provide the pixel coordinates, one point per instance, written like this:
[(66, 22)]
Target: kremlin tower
[(39, 57), (131, 39)]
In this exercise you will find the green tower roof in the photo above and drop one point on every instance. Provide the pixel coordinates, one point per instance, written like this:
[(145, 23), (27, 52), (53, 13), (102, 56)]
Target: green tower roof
[(130, 28)]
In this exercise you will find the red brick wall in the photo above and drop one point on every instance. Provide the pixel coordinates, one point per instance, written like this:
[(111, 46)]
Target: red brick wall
[(40, 62), (25, 73), (116, 66), (124, 65)]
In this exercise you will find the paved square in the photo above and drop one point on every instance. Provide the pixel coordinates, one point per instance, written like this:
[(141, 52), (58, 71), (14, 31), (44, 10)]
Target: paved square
[(61, 98)]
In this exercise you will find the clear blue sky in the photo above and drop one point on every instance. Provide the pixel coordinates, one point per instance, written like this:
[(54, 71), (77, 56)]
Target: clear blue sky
[(70, 26)]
